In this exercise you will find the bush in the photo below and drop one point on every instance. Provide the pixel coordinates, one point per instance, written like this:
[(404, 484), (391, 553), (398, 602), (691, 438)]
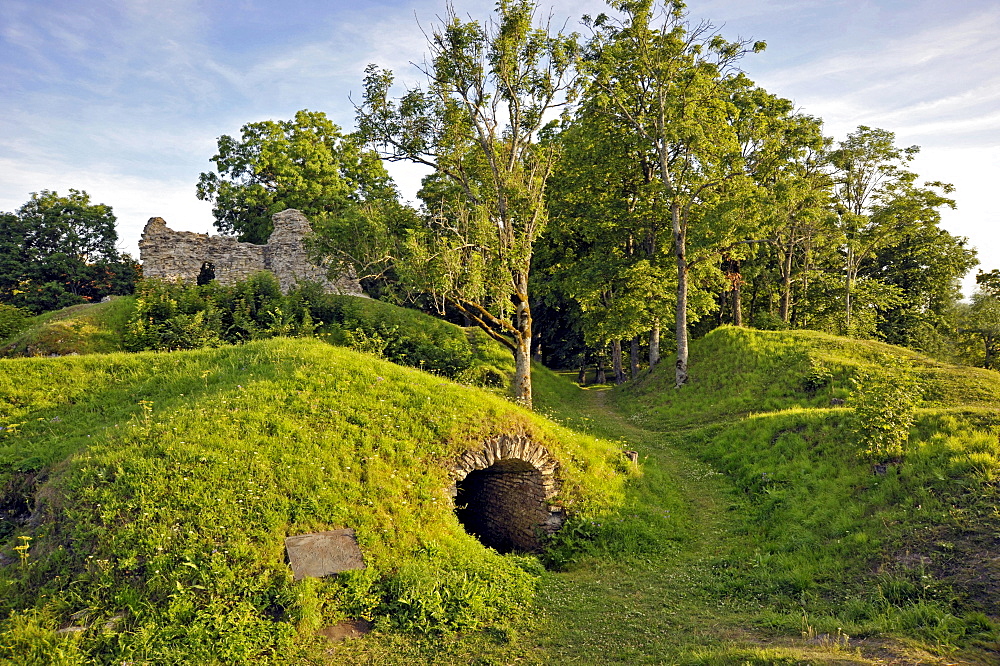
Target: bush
[(13, 320), (884, 401), (400, 335), (174, 316)]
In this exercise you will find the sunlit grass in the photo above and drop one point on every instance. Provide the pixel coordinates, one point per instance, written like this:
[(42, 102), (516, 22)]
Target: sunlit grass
[(168, 482)]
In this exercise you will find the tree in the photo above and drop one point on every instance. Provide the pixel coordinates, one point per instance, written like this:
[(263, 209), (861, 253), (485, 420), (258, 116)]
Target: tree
[(304, 163), (478, 123), (925, 265), (877, 200), (601, 249), (981, 319), (676, 86), (60, 250)]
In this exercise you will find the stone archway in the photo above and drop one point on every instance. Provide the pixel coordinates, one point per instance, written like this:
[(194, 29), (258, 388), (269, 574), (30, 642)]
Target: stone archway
[(502, 493)]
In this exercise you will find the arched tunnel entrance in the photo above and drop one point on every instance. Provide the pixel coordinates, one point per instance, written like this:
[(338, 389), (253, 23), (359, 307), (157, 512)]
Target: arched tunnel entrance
[(502, 492), (503, 505)]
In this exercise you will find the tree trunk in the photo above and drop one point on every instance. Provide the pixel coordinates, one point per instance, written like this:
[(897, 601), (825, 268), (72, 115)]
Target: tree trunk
[(680, 330), (602, 376), (522, 343), (786, 287), (537, 356), (737, 303), (581, 377), (616, 361), (633, 357), (849, 285), (654, 345), (522, 372)]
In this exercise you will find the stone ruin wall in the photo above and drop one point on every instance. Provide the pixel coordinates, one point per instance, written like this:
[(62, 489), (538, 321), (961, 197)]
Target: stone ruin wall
[(179, 255)]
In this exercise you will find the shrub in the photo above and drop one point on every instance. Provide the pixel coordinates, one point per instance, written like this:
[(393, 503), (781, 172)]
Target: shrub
[(13, 320), (884, 401), (174, 316)]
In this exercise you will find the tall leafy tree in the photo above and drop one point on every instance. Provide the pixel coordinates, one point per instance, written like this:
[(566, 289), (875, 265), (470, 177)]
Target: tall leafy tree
[(926, 266), (878, 201), (491, 89), (305, 163), (675, 84), (61, 250), (602, 246)]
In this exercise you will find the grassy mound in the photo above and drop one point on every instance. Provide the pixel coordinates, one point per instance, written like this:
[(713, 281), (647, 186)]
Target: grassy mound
[(401, 335), (93, 328), (146, 498), (741, 371), (906, 548)]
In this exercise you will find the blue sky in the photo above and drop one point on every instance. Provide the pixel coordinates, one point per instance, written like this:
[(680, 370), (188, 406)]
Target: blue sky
[(125, 98)]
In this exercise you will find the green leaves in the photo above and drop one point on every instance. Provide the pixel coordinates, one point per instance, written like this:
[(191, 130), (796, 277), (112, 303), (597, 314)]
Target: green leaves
[(60, 250), (304, 163), (884, 401)]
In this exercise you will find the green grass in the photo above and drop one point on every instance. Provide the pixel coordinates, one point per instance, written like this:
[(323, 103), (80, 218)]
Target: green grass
[(821, 539), (753, 531), (164, 484), (740, 371), (401, 335), (95, 328)]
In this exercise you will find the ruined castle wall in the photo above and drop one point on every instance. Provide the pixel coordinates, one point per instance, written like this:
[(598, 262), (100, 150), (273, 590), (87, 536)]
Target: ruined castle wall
[(179, 255)]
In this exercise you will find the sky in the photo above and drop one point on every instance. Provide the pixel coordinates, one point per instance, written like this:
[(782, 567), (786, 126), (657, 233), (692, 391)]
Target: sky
[(126, 99)]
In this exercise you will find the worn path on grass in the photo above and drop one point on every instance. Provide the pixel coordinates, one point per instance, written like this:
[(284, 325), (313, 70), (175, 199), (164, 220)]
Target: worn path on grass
[(647, 607), (670, 606)]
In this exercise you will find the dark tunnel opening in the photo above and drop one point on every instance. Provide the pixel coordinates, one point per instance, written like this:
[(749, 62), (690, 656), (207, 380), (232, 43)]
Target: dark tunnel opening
[(504, 506)]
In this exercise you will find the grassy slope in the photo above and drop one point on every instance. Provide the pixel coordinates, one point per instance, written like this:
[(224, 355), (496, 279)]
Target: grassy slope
[(403, 335), (830, 544), (94, 328), (784, 531), (165, 483), (737, 371)]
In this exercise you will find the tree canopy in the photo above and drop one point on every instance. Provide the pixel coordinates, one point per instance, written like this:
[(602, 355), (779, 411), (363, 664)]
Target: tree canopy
[(61, 250), (615, 185), (304, 163)]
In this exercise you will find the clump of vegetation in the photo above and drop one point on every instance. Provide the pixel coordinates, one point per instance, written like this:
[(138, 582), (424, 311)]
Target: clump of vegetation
[(162, 486), (172, 316), (884, 400), (409, 337), (13, 320)]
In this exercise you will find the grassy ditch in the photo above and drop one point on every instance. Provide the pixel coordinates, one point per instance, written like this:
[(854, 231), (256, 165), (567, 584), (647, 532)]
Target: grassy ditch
[(832, 542), (149, 495)]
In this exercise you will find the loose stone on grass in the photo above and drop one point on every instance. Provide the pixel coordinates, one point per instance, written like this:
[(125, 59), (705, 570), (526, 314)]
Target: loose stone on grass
[(323, 553)]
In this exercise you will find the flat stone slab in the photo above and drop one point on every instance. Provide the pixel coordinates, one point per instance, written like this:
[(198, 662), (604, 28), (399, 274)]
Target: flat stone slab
[(323, 553)]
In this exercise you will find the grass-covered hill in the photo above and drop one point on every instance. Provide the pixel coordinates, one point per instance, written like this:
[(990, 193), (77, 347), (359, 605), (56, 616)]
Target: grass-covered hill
[(907, 548), (740, 371), (94, 328), (174, 316), (146, 497)]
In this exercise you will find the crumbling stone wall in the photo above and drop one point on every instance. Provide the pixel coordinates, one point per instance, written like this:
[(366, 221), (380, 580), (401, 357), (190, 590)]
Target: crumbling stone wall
[(502, 493), (180, 255)]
